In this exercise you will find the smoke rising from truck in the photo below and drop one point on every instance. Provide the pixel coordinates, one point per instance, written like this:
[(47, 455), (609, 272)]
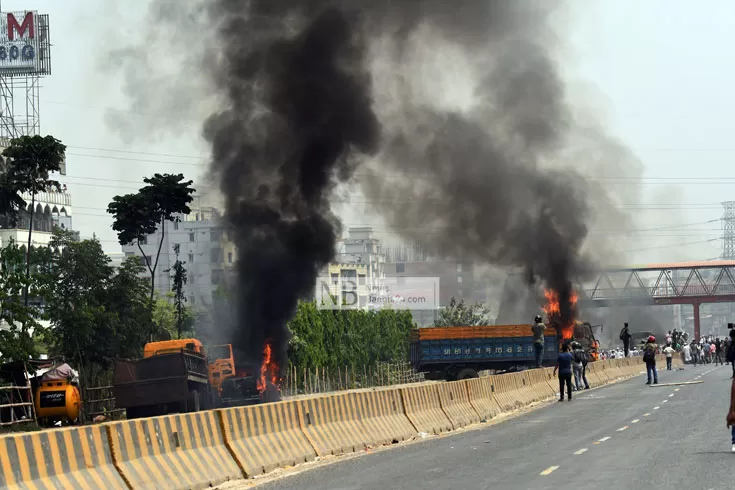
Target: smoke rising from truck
[(319, 92)]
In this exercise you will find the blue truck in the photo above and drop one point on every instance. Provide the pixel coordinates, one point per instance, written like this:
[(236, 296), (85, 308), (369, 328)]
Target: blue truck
[(454, 353)]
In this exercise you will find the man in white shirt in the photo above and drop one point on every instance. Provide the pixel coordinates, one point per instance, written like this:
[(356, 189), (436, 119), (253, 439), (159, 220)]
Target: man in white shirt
[(669, 351), (687, 353)]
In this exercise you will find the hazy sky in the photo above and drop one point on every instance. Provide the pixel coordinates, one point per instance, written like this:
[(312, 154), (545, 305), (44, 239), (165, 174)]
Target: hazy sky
[(660, 70)]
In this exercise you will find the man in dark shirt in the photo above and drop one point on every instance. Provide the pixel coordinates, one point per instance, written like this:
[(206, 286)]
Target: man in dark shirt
[(564, 366), (538, 330)]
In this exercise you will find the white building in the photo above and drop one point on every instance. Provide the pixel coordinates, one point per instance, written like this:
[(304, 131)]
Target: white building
[(52, 209), (202, 247)]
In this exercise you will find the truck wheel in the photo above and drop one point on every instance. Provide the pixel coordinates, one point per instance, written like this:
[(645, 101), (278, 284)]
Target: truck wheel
[(193, 404), (467, 373)]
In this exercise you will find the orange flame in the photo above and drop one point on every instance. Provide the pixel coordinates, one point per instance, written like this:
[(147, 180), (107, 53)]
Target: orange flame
[(553, 312), (268, 370)]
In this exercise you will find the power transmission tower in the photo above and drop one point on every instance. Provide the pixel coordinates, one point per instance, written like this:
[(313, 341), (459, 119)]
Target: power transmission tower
[(728, 231)]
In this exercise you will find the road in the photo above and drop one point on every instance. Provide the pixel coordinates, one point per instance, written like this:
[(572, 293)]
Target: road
[(627, 435)]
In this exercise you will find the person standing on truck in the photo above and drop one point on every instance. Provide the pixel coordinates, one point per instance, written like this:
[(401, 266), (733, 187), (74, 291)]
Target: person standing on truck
[(625, 336), (538, 339), (564, 366)]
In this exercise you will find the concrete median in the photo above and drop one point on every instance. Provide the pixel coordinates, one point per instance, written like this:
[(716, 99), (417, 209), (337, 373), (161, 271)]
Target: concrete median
[(482, 398), (424, 410), (384, 417), (455, 402), (185, 451), (76, 458), (332, 424), (264, 437)]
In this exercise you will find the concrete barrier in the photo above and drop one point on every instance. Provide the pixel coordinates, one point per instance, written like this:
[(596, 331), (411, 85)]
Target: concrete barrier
[(78, 458), (384, 417), (332, 424), (424, 410), (506, 392), (264, 437), (455, 402), (539, 382), (482, 398), (185, 451), (522, 387)]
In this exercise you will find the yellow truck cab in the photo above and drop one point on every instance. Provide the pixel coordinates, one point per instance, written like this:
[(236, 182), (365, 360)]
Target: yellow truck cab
[(220, 364), (170, 346)]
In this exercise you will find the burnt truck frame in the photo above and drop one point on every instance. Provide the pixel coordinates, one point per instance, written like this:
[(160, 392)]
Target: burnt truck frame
[(170, 382)]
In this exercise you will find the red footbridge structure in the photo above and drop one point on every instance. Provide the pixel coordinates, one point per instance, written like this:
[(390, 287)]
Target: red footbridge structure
[(683, 283)]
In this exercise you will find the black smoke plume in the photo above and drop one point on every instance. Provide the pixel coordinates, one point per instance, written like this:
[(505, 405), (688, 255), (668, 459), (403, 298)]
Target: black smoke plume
[(298, 112)]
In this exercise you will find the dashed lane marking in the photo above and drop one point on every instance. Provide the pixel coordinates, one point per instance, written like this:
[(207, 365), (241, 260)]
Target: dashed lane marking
[(623, 428), (549, 470), (647, 414), (635, 421), (607, 438), (671, 395), (665, 401), (677, 389), (656, 408), (581, 451)]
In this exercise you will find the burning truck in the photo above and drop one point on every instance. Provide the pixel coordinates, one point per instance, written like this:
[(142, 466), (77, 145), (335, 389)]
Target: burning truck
[(179, 376)]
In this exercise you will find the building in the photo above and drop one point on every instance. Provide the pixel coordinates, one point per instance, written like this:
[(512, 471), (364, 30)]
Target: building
[(203, 247), (357, 272), (52, 209)]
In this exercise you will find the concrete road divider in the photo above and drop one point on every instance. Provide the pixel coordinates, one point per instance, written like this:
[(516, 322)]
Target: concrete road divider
[(539, 382), (332, 424), (264, 437), (455, 402), (522, 388), (424, 410), (76, 458), (506, 393), (482, 398), (175, 452), (384, 417)]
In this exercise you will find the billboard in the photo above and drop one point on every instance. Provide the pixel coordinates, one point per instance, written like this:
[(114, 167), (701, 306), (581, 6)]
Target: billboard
[(24, 43)]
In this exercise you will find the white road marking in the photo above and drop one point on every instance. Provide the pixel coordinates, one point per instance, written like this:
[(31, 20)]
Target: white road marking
[(656, 408), (647, 414), (677, 389), (581, 451), (665, 401), (549, 470), (671, 395), (622, 428), (635, 421), (604, 439)]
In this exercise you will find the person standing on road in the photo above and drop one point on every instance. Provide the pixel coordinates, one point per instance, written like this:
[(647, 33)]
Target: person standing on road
[(669, 351), (649, 357), (625, 336), (730, 419), (564, 366), (579, 367), (538, 339), (718, 351), (687, 353)]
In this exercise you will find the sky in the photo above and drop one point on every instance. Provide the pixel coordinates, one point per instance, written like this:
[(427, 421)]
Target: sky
[(658, 73)]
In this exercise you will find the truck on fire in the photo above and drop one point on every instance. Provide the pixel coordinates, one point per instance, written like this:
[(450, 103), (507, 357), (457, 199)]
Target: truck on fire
[(180, 376), (453, 353)]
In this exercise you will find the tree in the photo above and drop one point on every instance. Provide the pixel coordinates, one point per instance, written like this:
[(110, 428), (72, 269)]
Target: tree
[(178, 276), (457, 314), (29, 162), (171, 322), (97, 314), (19, 321), (139, 215)]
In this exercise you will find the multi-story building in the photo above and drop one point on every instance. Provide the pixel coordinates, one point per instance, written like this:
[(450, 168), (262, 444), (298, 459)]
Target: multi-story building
[(203, 247), (52, 209)]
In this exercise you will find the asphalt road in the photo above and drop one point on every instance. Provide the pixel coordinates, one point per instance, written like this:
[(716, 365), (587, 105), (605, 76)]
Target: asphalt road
[(626, 435)]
